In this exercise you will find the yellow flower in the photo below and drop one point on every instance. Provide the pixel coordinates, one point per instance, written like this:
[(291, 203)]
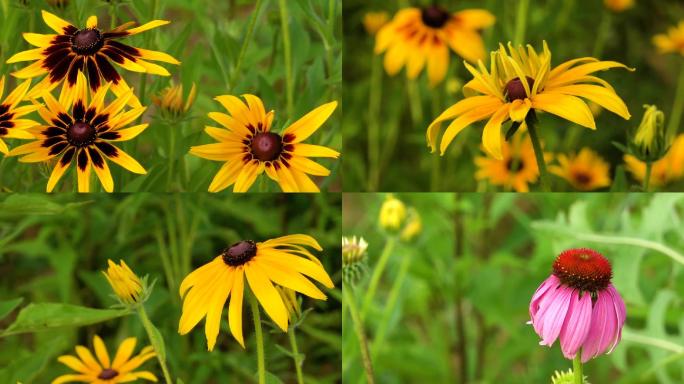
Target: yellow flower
[(248, 147), (500, 95), (80, 131), (392, 213), (667, 169), (11, 127), (618, 5), (61, 56), (672, 41), (283, 261), (102, 370), (124, 282), (651, 131), (419, 37), (515, 170), (413, 227), (586, 171), (170, 100), (373, 21)]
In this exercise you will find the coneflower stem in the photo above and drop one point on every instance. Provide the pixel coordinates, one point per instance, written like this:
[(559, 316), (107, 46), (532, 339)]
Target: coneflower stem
[(245, 43), (647, 176), (360, 334), (295, 353), (261, 361), (287, 53), (538, 153), (677, 106), (374, 123), (577, 367), (150, 330), (377, 273)]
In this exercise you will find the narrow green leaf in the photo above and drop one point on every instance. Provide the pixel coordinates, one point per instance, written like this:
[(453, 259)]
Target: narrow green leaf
[(158, 342), (7, 306)]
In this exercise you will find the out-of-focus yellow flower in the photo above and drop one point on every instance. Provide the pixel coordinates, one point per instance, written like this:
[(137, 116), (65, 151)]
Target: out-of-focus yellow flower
[(413, 227), (516, 170), (126, 284), (672, 41), (618, 5), (585, 171), (650, 136), (171, 103), (392, 213), (373, 21), (663, 171)]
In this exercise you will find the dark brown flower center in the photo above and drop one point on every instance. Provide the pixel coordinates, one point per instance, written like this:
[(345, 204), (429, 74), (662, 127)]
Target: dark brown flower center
[(583, 178), (239, 253), (515, 165), (107, 374), (80, 134), (515, 90), (267, 146), (87, 41), (434, 16), (583, 269)]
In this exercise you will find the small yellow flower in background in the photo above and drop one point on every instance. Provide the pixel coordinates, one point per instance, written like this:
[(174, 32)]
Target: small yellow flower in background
[(618, 5), (283, 261), (672, 41), (420, 37), (373, 21), (11, 127), (669, 168), (103, 370), (516, 170), (392, 213), (124, 282), (585, 171), (248, 147), (170, 100), (413, 227)]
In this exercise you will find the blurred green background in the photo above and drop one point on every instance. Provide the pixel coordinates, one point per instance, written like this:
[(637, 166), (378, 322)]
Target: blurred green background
[(462, 309), (207, 37), (572, 28), (53, 249)]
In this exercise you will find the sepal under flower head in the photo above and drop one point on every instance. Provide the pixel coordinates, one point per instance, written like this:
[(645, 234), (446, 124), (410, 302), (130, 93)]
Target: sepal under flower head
[(564, 377), (354, 265)]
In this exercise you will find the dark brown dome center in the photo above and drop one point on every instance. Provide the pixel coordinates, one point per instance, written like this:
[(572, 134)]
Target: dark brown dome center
[(239, 253), (515, 165), (267, 146), (515, 90), (107, 374), (80, 134), (583, 178), (434, 16), (87, 41)]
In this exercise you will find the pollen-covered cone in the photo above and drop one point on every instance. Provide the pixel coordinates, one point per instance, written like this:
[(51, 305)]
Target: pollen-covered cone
[(283, 261), (124, 282)]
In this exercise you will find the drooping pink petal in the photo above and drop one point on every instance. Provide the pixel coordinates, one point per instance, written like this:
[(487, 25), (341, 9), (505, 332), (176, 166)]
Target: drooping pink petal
[(576, 325), (621, 312), (551, 282), (603, 329), (554, 316)]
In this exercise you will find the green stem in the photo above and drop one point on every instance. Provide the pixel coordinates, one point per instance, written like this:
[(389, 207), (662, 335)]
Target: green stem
[(435, 174), (677, 106), (377, 273), (375, 98), (415, 103), (603, 30), (149, 329), (172, 154), (538, 152), (523, 6), (261, 361), (329, 57), (297, 358), (647, 177), (245, 43), (287, 52), (577, 367), (360, 334), (112, 15)]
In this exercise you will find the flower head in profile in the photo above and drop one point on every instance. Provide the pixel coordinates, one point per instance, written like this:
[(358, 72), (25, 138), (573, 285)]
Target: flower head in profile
[(519, 83), (392, 213), (585, 171), (248, 147), (11, 124), (422, 37), (672, 41), (579, 306), (413, 227), (373, 21), (125, 283), (354, 259), (171, 103), (80, 129), (90, 50), (283, 261), (515, 171), (663, 171), (618, 5), (103, 370)]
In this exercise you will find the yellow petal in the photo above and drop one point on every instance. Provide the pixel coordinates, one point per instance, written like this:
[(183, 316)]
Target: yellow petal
[(301, 265), (467, 44), (461, 123), (491, 135), (568, 107), (266, 294), (104, 174), (304, 182), (88, 359), (157, 56), (309, 123), (225, 177), (475, 18), (438, 63), (286, 181), (91, 22), (83, 174), (309, 166), (310, 150), (126, 161), (604, 97), (235, 306), (124, 352), (247, 176), (31, 54), (73, 363), (197, 301), (519, 109), (101, 352), (38, 40), (294, 239), (147, 26), (57, 174), (130, 133), (71, 378), (291, 279), (213, 321), (54, 22)]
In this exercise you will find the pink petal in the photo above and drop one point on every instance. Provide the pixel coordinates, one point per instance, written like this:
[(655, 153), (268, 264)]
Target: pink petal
[(621, 313), (576, 325), (602, 331), (554, 316), (551, 282)]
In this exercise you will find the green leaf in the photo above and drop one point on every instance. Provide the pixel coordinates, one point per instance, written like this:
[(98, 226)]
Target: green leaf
[(157, 342), (45, 316), (28, 204), (7, 306), (25, 368)]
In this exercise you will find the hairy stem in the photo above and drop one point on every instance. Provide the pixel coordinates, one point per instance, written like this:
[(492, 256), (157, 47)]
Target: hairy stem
[(297, 358), (149, 329), (577, 367), (258, 332), (360, 334)]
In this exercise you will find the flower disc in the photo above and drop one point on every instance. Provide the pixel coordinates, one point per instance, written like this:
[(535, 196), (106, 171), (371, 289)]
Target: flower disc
[(583, 269)]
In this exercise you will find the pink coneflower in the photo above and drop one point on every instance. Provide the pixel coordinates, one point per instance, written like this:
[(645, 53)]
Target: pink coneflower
[(578, 305)]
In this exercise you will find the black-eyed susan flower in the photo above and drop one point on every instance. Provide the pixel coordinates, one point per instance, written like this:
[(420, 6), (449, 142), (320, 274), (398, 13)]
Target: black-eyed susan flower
[(249, 147), (664, 171), (171, 101), (618, 5), (373, 21), (672, 41), (420, 37), (80, 129), (585, 171), (515, 171), (392, 213), (413, 227), (122, 369), (62, 55), (500, 94), (283, 261), (124, 282), (11, 125)]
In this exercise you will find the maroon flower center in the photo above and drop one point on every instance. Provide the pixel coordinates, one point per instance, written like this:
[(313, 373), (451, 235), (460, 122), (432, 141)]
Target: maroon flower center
[(582, 178), (515, 90), (239, 253), (434, 16), (87, 41), (107, 374), (515, 165), (80, 134), (583, 269), (267, 146)]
